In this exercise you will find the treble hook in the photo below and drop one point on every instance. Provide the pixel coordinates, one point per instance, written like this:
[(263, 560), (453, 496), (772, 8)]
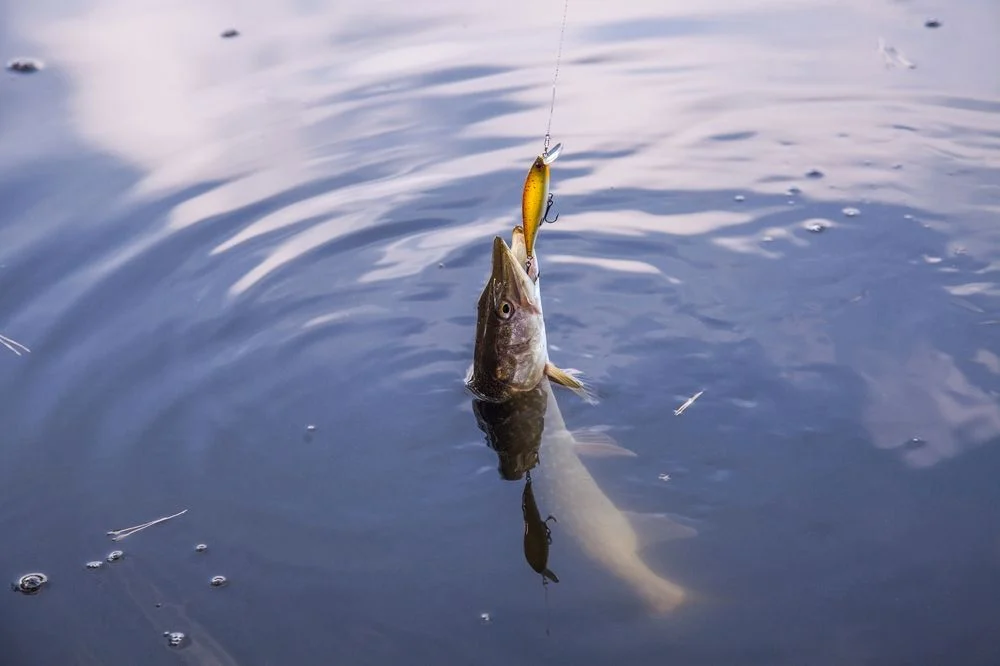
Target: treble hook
[(548, 206)]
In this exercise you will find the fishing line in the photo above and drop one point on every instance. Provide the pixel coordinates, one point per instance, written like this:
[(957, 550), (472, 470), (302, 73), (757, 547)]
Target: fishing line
[(555, 79)]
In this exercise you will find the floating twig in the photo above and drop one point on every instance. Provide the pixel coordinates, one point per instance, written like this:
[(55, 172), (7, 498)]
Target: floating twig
[(687, 403), (118, 535), (13, 345)]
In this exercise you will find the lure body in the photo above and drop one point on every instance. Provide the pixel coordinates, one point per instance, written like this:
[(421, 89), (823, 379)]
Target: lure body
[(535, 197)]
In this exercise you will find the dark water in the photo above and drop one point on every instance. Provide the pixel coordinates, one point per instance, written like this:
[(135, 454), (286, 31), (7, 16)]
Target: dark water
[(210, 244)]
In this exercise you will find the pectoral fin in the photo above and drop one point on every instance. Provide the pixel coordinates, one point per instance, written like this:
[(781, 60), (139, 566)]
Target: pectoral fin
[(598, 443), (571, 380), (653, 528)]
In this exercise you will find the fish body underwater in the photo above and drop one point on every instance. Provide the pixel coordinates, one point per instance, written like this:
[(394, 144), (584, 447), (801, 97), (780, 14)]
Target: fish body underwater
[(506, 363)]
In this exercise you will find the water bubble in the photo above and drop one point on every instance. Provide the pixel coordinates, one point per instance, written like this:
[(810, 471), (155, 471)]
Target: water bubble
[(851, 212), (485, 617), (814, 173), (218, 581), (932, 23), (230, 33), (30, 583), (175, 638), (96, 564), (200, 548), (739, 197), (25, 65), (115, 555)]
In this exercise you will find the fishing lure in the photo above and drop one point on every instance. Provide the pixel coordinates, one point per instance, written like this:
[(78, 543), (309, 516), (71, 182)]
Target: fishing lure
[(536, 200)]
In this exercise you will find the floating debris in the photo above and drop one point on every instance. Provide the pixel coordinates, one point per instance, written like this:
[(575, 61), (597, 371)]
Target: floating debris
[(175, 638), (200, 548), (739, 197), (230, 33), (664, 477), (25, 65), (218, 581), (115, 555), (687, 403), (851, 212), (14, 345), (96, 564), (932, 23), (118, 535), (814, 173), (893, 57), (30, 583), (485, 618)]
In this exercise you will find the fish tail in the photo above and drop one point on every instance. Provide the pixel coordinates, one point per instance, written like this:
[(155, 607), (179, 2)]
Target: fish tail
[(571, 379), (663, 596), (549, 575)]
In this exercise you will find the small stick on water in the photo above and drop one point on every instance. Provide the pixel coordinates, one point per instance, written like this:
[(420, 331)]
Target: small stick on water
[(687, 403), (118, 535), (13, 345)]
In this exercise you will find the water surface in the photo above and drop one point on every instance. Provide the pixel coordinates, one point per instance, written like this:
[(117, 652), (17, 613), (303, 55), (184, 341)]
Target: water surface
[(210, 244)]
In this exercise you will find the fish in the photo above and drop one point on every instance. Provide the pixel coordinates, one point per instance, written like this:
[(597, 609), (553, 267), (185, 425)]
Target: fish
[(609, 536), (511, 354), (534, 197)]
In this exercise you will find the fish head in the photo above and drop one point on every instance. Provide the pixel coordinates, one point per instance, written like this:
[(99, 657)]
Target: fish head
[(510, 352)]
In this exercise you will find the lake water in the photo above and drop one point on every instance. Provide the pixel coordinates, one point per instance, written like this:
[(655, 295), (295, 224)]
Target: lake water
[(211, 244)]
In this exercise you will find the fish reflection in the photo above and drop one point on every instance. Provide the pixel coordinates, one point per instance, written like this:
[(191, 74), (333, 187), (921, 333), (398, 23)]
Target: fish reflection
[(513, 430)]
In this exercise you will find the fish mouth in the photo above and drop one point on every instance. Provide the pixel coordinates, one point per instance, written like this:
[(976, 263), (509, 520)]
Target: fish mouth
[(507, 271)]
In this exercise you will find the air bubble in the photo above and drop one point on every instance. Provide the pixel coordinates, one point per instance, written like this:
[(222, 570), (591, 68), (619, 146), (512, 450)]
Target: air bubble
[(200, 548), (851, 212), (25, 65), (30, 583), (96, 564), (218, 581), (115, 555)]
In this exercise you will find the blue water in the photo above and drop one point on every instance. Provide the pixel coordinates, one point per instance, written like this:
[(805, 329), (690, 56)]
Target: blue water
[(211, 244)]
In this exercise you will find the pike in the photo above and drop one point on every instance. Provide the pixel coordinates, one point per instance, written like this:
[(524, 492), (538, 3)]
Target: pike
[(510, 357), (511, 354)]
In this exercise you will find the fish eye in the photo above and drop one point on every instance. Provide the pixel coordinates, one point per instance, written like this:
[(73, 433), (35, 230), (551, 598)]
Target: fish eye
[(505, 310)]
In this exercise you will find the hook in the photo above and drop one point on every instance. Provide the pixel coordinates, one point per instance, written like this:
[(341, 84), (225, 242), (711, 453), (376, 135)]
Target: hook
[(548, 206)]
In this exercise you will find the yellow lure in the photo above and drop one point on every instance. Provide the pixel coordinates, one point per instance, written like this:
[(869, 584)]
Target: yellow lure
[(535, 196)]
